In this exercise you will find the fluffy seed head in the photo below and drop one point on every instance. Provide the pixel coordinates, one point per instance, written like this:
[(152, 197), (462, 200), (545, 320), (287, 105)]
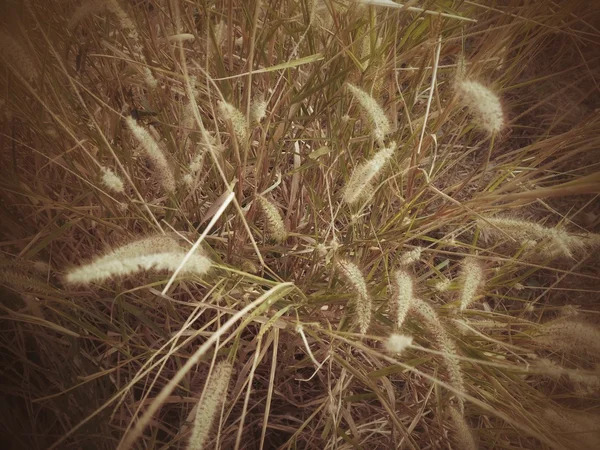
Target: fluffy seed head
[(112, 181), (581, 428), (15, 57), (258, 110), (445, 344), (128, 27), (570, 336), (555, 242), (442, 285), (473, 277), (237, 120), (125, 21), (354, 277), (397, 343), (154, 253), (207, 408), (154, 154), (410, 257), (359, 186), (483, 103), (380, 124), (462, 432), (274, 221), (402, 296)]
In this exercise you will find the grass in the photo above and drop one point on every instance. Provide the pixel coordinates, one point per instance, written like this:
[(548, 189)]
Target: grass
[(423, 279)]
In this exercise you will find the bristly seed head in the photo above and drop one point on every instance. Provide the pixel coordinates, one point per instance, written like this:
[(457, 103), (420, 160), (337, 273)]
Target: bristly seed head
[(214, 394), (402, 296), (154, 153), (397, 343), (112, 181), (237, 120), (359, 187), (354, 276), (380, 124), (275, 224), (483, 103), (473, 278), (152, 253)]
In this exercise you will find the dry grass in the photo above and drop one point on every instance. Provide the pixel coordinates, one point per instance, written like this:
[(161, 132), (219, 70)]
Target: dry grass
[(235, 128)]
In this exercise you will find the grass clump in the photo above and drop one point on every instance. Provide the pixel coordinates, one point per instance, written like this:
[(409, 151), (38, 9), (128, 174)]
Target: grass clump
[(382, 218)]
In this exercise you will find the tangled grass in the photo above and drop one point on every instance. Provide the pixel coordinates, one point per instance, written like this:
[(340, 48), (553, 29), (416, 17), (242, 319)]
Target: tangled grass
[(398, 206)]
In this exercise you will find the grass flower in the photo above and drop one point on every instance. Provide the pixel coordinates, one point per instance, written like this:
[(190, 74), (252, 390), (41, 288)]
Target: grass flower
[(237, 120), (214, 394), (275, 224), (472, 280), (258, 110), (462, 432), (359, 186), (410, 257), (397, 343), (554, 242), (402, 296), (355, 278), (445, 343), (379, 122), (128, 26), (112, 181), (570, 336), (483, 103), (154, 154), (156, 253)]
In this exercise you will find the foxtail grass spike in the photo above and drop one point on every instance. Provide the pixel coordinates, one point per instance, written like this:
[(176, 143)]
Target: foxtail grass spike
[(154, 253), (237, 120), (154, 154), (275, 225), (472, 279), (208, 407), (446, 346), (355, 278), (112, 181), (462, 432), (483, 104), (397, 343), (403, 294), (380, 125), (359, 187)]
